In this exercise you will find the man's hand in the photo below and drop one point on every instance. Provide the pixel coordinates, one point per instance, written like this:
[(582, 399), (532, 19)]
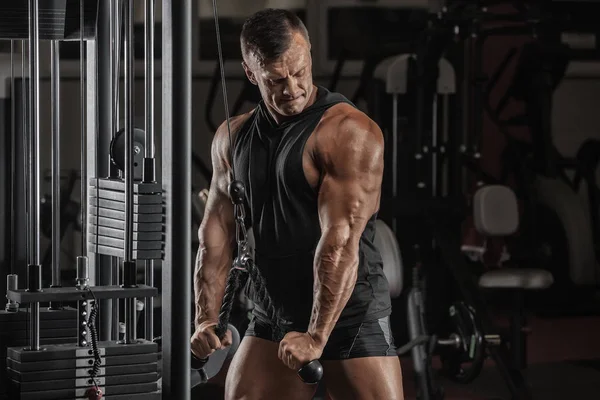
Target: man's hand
[(204, 341), (298, 349)]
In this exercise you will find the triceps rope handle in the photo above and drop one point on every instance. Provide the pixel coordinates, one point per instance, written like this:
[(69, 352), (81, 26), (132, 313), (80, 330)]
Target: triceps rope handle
[(243, 268)]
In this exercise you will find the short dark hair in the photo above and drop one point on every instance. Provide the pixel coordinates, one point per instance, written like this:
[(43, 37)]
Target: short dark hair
[(268, 33)]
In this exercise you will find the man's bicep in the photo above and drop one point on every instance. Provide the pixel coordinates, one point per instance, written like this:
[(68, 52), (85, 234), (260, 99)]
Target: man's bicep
[(347, 202), (351, 187), (217, 223)]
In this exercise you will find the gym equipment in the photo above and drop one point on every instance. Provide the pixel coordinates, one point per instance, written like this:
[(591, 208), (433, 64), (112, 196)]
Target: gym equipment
[(117, 151), (129, 371), (538, 168), (385, 241), (588, 158), (434, 200), (496, 213), (107, 219), (464, 352), (216, 360), (56, 327)]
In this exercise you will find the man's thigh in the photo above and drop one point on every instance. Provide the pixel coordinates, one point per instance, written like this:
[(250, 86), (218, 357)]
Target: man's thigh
[(360, 362), (257, 373), (366, 378)]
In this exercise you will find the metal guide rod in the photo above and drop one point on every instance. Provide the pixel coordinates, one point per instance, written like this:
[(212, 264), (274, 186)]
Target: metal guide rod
[(84, 149), (129, 265), (149, 64), (117, 30), (34, 91), (129, 109), (55, 78), (25, 141), (13, 148), (434, 145), (115, 45), (149, 166), (394, 153), (34, 177), (445, 136)]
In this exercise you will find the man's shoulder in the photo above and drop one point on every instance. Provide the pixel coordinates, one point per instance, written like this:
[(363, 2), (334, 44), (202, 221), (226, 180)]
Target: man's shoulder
[(346, 121), (235, 123)]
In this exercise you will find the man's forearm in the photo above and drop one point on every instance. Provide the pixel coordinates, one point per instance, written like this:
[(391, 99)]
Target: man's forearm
[(212, 268), (336, 267)]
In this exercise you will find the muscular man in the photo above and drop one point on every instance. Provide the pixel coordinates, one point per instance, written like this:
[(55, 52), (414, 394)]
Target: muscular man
[(312, 165)]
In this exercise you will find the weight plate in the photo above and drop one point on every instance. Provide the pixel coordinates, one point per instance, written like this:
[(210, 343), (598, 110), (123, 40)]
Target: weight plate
[(81, 372), (464, 364), (118, 185), (120, 206), (120, 234), (114, 195), (117, 224), (120, 215), (120, 243)]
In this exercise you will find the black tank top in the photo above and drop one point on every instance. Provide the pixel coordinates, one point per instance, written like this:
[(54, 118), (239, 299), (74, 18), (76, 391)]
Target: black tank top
[(281, 207)]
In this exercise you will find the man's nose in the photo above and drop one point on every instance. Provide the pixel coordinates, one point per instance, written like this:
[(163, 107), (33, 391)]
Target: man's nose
[(291, 88)]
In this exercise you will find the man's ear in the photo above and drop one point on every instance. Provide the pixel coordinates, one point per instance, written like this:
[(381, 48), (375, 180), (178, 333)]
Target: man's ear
[(249, 73)]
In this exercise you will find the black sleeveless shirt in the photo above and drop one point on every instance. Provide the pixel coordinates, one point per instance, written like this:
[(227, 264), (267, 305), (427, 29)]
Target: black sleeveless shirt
[(281, 207)]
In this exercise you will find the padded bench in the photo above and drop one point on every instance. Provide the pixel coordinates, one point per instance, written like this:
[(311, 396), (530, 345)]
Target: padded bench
[(496, 214)]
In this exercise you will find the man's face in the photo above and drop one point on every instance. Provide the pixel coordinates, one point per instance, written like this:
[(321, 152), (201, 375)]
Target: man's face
[(285, 83)]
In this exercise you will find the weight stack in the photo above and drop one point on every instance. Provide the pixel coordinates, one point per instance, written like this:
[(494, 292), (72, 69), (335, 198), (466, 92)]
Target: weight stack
[(127, 372), (56, 327), (106, 219)]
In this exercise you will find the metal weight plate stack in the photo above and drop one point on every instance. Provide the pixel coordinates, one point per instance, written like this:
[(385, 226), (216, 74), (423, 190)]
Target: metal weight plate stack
[(56, 326), (126, 372), (107, 219)]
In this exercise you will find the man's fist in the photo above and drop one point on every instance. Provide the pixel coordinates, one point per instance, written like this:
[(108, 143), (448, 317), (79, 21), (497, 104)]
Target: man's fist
[(204, 341), (298, 349)]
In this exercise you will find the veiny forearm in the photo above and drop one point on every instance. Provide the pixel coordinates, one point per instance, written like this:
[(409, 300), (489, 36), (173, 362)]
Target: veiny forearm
[(336, 268), (212, 267)]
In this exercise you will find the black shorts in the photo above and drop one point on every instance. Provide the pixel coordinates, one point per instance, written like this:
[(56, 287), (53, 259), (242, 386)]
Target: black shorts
[(368, 339)]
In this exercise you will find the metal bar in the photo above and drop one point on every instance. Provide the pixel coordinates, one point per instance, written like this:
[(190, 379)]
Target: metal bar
[(115, 303), (149, 303), (149, 166), (149, 63), (116, 54), (84, 149), (118, 29), (445, 139), (56, 237), (129, 116), (129, 265), (34, 206), (34, 90), (394, 154), (106, 124), (177, 184), (434, 145), (25, 151), (91, 133), (13, 148), (71, 293)]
